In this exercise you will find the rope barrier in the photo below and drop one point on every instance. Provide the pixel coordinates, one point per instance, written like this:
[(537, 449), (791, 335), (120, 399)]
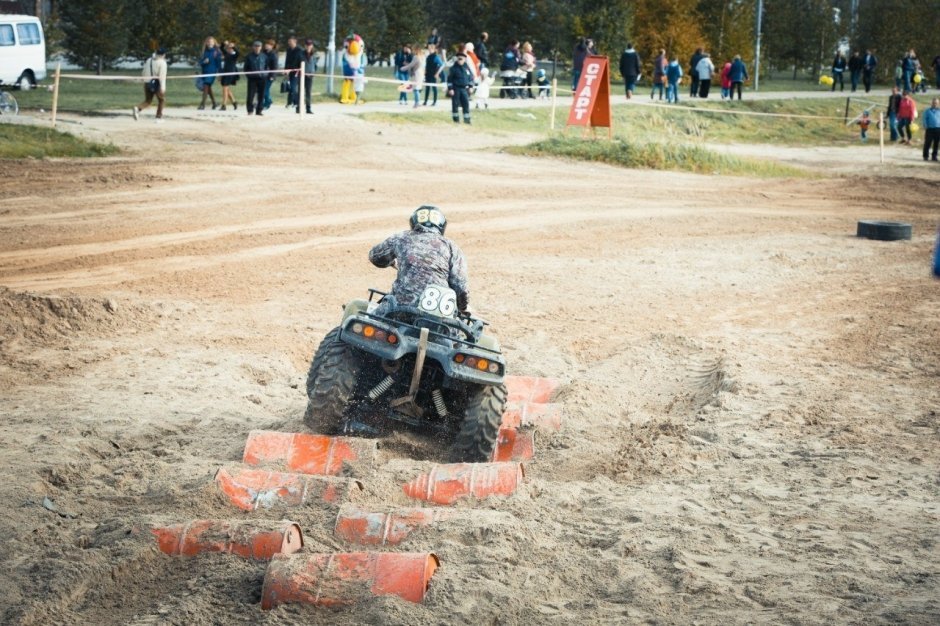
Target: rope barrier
[(555, 90), (673, 107)]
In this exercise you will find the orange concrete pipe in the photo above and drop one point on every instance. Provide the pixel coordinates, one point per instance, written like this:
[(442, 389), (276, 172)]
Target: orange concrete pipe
[(514, 445), (346, 578), (542, 416), (531, 388), (445, 484), (250, 489), (310, 454), (379, 529), (258, 540)]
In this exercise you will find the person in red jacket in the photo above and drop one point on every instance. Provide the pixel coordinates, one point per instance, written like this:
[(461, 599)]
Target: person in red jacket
[(907, 112)]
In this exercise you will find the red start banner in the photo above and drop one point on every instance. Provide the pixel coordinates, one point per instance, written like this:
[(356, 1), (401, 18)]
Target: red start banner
[(591, 104)]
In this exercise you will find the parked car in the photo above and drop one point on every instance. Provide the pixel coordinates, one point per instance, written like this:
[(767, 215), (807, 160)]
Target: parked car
[(22, 51)]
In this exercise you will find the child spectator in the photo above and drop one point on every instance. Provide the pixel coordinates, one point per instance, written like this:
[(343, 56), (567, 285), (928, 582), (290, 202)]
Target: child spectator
[(907, 113), (726, 80), (863, 123), (673, 77), (482, 94), (542, 81)]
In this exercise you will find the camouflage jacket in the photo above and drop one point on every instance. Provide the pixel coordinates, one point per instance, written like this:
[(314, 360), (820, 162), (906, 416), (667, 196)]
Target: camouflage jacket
[(425, 257)]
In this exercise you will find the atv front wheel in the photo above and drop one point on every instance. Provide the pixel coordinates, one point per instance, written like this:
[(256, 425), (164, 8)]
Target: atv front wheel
[(331, 385), (480, 427)]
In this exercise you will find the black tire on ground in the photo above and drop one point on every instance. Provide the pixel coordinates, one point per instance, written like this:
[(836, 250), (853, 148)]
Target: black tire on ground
[(333, 388), (318, 357), (478, 431), (884, 231)]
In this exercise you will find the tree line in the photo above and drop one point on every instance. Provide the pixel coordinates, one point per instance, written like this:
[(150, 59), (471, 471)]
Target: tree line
[(798, 37)]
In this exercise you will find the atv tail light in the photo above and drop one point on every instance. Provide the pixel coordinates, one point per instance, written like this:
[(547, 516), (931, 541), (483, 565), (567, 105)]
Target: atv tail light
[(357, 328), (471, 362), (381, 335), (493, 368), (459, 358), (482, 364), (392, 338), (368, 331)]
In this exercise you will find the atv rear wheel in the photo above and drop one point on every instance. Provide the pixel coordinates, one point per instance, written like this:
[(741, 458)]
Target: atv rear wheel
[(318, 357), (331, 385), (480, 427)]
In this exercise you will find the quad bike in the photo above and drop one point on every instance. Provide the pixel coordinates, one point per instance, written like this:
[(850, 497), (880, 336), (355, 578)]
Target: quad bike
[(426, 366)]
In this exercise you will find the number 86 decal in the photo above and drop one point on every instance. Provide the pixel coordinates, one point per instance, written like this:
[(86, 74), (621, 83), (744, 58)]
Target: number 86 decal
[(439, 300)]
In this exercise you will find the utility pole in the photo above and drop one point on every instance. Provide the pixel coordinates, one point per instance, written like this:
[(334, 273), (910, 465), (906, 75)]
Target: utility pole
[(760, 17), (331, 50)]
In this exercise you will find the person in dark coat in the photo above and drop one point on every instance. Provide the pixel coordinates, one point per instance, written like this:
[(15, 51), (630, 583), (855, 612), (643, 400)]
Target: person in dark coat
[(459, 84), (737, 75), (868, 68), (838, 71), (310, 68), (693, 72), (482, 53), (581, 51), (855, 69), (293, 61), (630, 69), (229, 75), (256, 61), (270, 51)]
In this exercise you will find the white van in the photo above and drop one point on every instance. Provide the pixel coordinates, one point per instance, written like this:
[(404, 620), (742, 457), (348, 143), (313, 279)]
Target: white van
[(22, 51)]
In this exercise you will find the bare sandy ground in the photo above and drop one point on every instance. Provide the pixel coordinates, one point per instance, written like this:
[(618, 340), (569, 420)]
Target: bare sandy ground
[(751, 393)]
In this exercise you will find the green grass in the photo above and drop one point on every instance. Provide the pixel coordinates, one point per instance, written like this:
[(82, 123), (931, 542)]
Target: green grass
[(78, 95), (19, 141), (658, 156)]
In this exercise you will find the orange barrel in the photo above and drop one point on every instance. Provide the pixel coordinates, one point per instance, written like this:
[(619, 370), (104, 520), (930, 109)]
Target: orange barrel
[(250, 489), (346, 578), (378, 529), (530, 388), (249, 539), (514, 445), (309, 454), (445, 484), (544, 416)]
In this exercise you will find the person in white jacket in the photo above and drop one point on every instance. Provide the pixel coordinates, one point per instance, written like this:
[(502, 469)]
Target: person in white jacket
[(415, 70), (704, 69), (155, 84), (482, 93)]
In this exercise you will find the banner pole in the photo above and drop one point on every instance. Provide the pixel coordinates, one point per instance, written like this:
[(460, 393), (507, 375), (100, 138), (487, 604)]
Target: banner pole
[(55, 92), (881, 134), (554, 100), (301, 105)]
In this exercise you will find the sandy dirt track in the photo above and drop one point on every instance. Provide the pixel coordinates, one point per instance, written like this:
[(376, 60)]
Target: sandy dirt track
[(752, 394)]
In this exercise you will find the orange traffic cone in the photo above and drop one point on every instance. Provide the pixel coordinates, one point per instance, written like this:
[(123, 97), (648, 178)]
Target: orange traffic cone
[(543, 416), (530, 388), (310, 454), (514, 445), (249, 489), (379, 529), (346, 578), (445, 484), (255, 539)]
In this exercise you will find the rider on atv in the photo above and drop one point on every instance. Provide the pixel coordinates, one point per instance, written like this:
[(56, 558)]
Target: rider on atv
[(424, 256)]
